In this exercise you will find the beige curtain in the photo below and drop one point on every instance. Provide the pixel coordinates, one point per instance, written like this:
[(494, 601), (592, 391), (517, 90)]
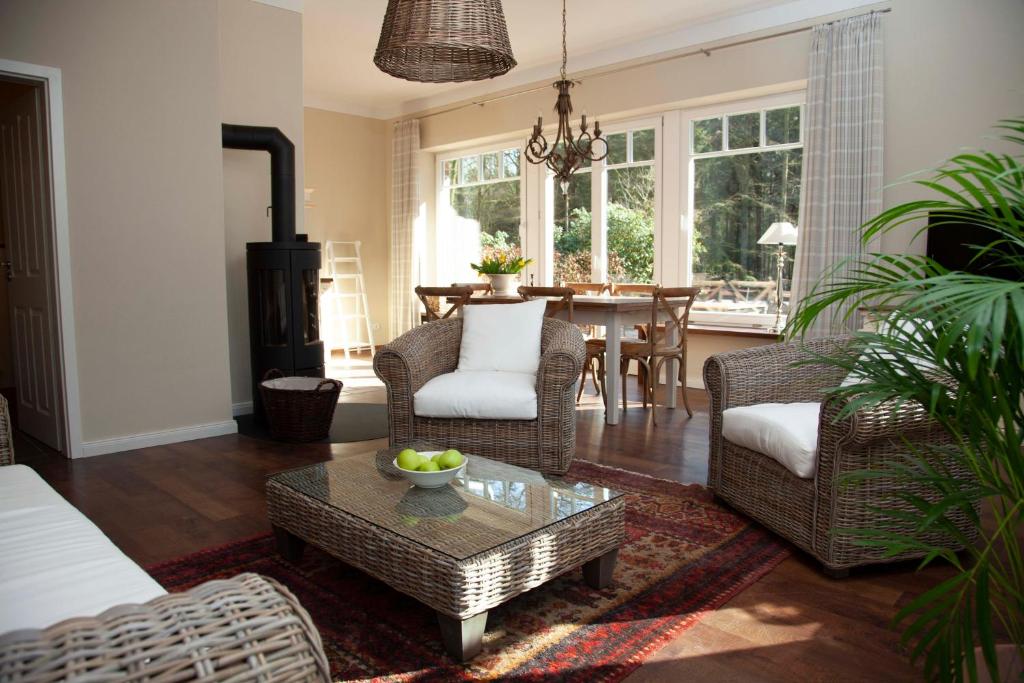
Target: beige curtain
[(405, 202), (842, 169)]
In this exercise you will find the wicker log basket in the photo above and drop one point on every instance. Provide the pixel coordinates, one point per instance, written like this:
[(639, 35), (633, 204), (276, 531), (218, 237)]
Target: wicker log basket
[(299, 408)]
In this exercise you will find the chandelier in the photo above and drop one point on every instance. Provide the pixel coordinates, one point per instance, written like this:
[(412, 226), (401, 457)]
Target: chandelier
[(449, 41), (566, 154)]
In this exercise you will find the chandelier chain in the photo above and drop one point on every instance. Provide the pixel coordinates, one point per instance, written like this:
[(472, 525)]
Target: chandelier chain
[(568, 151), (565, 50)]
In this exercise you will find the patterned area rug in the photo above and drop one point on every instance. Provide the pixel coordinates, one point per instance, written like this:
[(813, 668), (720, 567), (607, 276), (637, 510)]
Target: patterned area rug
[(684, 556)]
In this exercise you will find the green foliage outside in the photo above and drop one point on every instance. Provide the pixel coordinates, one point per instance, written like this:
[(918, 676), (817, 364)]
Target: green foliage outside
[(630, 222), (494, 205), (736, 198)]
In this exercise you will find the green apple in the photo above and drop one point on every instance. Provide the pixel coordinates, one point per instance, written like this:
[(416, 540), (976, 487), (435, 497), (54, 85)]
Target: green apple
[(449, 459), (409, 459), (429, 466)]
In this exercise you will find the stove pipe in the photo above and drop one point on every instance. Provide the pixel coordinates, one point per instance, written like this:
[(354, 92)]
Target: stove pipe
[(282, 171)]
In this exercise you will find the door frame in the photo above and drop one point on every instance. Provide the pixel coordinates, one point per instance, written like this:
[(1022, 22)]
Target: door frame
[(49, 78)]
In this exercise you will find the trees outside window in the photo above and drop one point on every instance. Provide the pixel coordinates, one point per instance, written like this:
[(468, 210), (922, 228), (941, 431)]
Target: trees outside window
[(629, 213), (481, 206), (746, 176)]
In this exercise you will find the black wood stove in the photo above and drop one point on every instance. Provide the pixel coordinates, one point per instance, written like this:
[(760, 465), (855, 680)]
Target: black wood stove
[(283, 274)]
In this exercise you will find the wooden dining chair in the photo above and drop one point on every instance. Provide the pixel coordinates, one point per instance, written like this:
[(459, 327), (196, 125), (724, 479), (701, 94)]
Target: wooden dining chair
[(595, 345), (563, 303), (484, 287), (432, 309), (653, 352), (636, 289), (632, 289), (588, 288)]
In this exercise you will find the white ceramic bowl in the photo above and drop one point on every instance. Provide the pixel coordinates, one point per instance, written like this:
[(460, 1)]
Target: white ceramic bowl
[(431, 480)]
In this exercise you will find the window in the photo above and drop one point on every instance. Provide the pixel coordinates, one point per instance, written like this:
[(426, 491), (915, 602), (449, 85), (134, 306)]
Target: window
[(627, 202), (746, 176), (480, 209), (729, 172), (629, 206), (572, 237)]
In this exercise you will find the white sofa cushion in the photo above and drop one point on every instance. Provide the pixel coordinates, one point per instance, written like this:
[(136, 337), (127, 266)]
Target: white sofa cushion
[(479, 396), (785, 432), (54, 563), (502, 337), (905, 329)]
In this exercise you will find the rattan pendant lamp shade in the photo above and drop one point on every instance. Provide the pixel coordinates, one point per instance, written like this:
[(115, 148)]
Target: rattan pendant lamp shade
[(444, 41)]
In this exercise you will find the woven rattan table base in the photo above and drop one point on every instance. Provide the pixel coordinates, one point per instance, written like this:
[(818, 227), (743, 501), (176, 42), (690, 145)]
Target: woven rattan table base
[(460, 590)]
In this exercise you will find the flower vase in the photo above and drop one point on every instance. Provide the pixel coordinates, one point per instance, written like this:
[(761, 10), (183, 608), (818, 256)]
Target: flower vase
[(504, 283)]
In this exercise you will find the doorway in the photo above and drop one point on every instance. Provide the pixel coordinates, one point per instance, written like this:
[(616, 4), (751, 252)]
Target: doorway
[(32, 367)]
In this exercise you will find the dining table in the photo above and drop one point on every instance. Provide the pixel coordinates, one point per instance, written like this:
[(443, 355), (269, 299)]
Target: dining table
[(614, 313)]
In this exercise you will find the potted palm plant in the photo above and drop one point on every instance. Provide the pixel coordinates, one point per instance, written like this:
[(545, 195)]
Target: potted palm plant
[(954, 344)]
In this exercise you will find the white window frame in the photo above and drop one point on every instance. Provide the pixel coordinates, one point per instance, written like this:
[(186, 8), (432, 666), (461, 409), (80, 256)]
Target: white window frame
[(686, 188), (674, 168), (598, 196), (443, 260)]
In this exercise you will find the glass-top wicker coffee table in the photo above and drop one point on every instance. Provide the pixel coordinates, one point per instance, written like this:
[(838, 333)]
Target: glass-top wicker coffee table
[(496, 531)]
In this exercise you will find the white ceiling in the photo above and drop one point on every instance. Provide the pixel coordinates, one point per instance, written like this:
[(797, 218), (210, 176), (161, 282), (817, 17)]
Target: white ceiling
[(339, 38)]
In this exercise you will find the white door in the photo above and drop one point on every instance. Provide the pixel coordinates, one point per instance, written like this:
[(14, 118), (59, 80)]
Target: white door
[(28, 220)]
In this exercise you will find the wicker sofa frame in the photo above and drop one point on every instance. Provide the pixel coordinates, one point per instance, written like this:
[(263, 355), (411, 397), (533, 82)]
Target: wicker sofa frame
[(808, 512), (546, 444), (247, 628)]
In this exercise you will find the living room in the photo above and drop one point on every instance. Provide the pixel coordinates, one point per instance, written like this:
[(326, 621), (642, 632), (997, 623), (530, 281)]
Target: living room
[(732, 191)]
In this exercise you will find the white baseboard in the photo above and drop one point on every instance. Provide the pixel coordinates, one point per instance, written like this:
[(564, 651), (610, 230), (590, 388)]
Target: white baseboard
[(243, 408), (129, 443)]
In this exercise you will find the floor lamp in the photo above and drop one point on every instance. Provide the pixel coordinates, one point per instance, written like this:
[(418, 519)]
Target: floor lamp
[(781, 235)]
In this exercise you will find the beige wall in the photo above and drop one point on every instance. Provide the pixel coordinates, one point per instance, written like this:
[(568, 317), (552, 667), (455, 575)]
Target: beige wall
[(145, 203), (345, 165), (953, 69), (261, 85)]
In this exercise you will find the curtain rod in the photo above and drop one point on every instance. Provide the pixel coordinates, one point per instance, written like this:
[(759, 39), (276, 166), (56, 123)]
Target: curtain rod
[(619, 69)]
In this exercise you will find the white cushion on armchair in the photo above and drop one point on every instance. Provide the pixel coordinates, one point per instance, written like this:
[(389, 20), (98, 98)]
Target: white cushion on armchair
[(478, 395), (502, 337), (785, 432)]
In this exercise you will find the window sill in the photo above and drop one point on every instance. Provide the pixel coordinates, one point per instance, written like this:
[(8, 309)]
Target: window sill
[(728, 331)]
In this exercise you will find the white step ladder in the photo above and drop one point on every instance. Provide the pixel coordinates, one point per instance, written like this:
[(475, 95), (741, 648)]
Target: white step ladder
[(345, 310)]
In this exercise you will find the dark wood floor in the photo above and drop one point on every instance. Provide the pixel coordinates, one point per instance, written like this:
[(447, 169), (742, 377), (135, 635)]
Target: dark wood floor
[(793, 625)]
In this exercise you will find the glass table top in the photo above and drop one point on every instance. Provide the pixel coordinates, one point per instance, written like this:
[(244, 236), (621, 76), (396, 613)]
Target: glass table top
[(489, 503)]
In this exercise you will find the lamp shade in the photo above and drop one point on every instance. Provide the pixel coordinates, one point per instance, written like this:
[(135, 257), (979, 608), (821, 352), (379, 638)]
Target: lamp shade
[(444, 41), (779, 233)]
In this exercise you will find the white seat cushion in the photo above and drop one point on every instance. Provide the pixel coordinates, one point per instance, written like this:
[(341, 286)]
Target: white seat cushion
[(785, 432), (502, 337), (54, 563), (478, 395)]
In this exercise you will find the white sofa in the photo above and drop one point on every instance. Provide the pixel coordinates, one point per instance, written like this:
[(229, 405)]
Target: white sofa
[(73, 607), (56, 564)]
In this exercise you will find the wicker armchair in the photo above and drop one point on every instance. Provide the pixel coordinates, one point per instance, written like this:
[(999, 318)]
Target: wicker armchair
[(807, 512), (6, 445), (246, 628), (546, 444)]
